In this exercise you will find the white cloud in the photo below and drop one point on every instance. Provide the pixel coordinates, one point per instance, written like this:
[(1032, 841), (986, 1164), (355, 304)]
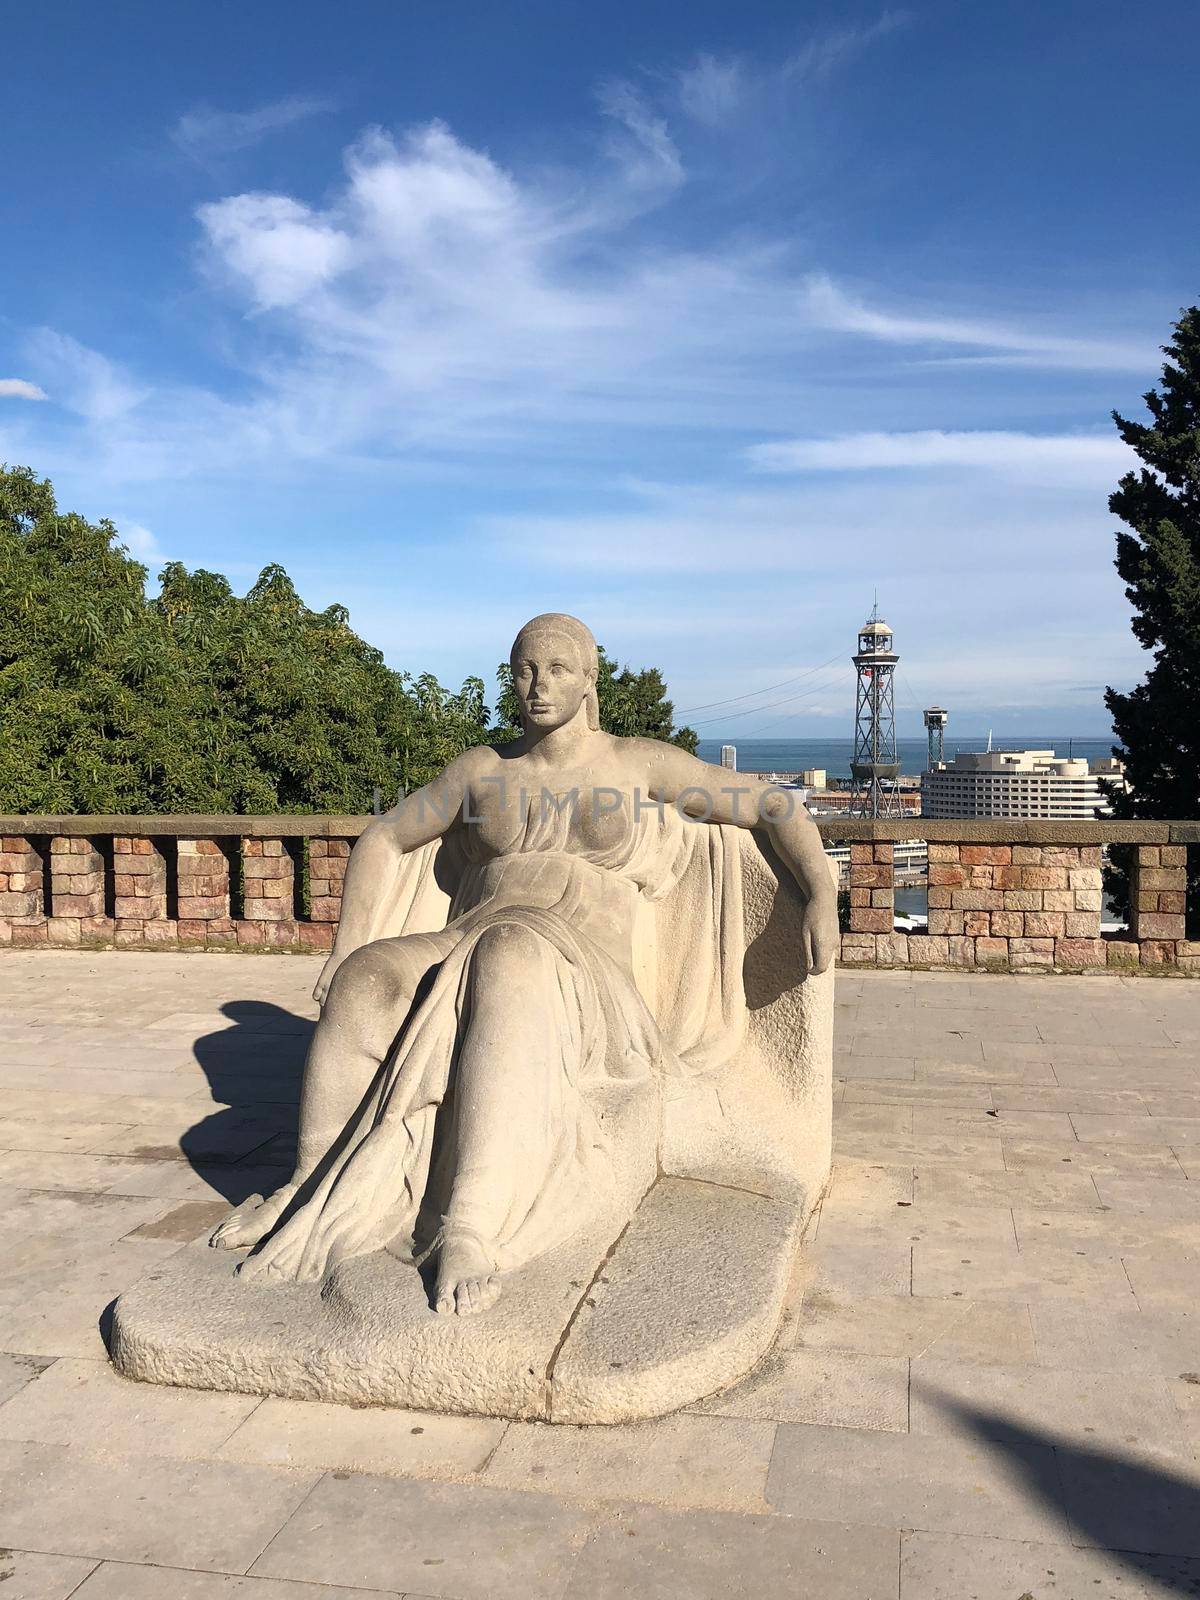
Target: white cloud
[(83, 380), (141, 543), (19, 389), (825, 52), (206, 132), (830, 307), (278, 247), (649, 153), (711, 89), (1054, 458)]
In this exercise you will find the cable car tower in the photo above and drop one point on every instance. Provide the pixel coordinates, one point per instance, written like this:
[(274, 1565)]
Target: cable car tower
[(875, 767), (936, 718)]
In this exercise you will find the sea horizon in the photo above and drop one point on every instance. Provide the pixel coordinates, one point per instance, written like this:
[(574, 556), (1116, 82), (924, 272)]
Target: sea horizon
[(795, 755)]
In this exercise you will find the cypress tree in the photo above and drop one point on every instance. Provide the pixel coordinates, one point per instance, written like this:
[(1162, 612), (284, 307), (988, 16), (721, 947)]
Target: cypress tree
[(1158, 556)]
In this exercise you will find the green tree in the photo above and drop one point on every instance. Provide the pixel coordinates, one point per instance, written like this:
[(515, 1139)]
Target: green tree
[(1158, 556), (632, 704), (197, 700)]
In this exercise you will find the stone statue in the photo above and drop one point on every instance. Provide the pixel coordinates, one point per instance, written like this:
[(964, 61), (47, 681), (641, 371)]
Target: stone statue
[(533, 1024)]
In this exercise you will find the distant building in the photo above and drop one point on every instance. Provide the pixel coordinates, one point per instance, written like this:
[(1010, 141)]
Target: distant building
[(729, 756), (1017, 783), (814, 777)]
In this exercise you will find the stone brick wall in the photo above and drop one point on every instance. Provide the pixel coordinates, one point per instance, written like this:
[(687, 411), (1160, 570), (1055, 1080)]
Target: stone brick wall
[(1004, 895)]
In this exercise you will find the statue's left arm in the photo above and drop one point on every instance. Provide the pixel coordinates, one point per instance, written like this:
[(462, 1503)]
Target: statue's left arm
[(715, 794)]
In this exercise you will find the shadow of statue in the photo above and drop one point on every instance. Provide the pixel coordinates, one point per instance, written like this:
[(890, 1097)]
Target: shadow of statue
[(1140, 1510), (254, 1069)]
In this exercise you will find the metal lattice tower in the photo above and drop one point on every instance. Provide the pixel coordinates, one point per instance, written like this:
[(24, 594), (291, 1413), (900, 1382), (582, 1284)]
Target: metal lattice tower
[(936, 719), (875, 767)]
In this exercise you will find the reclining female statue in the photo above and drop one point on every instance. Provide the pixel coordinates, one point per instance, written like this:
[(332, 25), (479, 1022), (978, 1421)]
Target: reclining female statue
[(453, 1089)]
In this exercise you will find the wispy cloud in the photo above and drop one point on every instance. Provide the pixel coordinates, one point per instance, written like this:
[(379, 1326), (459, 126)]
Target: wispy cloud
[(648, 151), (82, 379), (711, 89), (206, 132), (830, 306), (141, 543), (825, 52), (20, 389), (1055, 458)]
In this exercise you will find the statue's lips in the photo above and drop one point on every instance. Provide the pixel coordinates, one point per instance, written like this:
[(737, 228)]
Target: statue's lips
[(537, 708)]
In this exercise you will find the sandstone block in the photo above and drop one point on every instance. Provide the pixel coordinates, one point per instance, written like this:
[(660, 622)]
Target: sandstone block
[(871, 877), (858, 897), (326, 909), (63, 931), (926, 951), (986, 855), (1147, 856), (192, 930), (127, 935), (1167, 901), (1161, 878), (1022, 899), (962, 952), (1027, 855), (1006, 877), (943, 853), (977, 924), (1087, 899), (1007, 925), (96, 928), (1025, 954), (1058, 900), (947, 922), (977, 899), (861, 854), (26, 935), (991, 952), (161, 931), (1084, 877), (1122, 952), (882, 898), (1157, 952), (199, 847), (78, 905), (1157, 926), (1081, 925), (1080, 953), (939, 898), (18, 903), (315, 935), (272, 847), (1172, 855), (883, 851), (1044, 924), (252, 934), (948, 876), (202, 908), (1044, 878), (868, 919)]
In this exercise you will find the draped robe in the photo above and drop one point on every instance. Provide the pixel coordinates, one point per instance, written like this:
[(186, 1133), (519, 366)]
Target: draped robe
[(636, 918)]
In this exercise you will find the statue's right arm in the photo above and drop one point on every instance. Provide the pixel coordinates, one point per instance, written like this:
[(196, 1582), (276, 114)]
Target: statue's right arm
[(417, 820)]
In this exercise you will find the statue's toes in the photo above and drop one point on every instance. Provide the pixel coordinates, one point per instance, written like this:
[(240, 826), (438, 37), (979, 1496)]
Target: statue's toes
[(233, 1233)]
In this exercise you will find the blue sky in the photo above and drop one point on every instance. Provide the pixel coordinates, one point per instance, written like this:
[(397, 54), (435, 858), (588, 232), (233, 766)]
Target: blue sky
[(702, 321)]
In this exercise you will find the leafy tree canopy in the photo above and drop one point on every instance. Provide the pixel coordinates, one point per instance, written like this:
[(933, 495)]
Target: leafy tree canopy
[(200, 700), (1158, 556)]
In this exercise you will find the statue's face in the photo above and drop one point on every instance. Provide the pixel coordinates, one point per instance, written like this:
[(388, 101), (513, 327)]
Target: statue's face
[(550, 679)]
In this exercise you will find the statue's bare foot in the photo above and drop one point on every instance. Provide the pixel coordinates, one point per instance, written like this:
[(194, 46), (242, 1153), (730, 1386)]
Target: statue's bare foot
[(252, 1220), (467, 1280)]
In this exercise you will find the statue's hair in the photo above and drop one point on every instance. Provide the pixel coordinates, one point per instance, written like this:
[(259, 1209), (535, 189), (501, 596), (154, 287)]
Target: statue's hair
[(581, 637)]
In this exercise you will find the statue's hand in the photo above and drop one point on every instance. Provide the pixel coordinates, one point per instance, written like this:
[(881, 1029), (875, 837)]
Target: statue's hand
[(321, 992), (820, 931)]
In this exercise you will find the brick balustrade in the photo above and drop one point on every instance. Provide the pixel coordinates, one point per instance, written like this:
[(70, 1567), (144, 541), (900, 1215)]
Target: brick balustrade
[(1004, 894)]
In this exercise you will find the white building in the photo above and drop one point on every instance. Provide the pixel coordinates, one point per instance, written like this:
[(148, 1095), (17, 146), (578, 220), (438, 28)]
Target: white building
[(729, 756), (1017, 783)]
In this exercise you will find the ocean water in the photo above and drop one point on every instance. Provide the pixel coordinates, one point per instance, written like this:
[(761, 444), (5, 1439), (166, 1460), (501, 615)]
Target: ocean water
[(795, 755)]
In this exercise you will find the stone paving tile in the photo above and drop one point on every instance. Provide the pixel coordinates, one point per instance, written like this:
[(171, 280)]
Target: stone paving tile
[(54, 1136), (883, 1123), (311, 1433), (68, 1220), (56, 1311), (644, 1553), (918, 1481), (884, 1090), (31, 1170), (117, 1580), (995, 1271), (16, 1371), (897, 1069), (1041, 1188), (1107, 1232), (1150, 1196), (870, 1185), (85, 1402), (1150, 1130), (429, 1539), (184, 1223), (1049, 1097), (720, 1462), (1164, 1279), (1110, 1160), (978, 1152), (940, 1566), (872, 1266), (1165, 1343), (25, 1575), (1086, 1408), (830, 1388), (1132, 1503), (844, 1224), (990, 1070), (898, 1325), (215, 1516), (180, 1180)]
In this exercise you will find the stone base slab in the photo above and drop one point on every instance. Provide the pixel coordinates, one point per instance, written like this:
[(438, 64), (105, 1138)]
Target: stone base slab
[(616, 1325)]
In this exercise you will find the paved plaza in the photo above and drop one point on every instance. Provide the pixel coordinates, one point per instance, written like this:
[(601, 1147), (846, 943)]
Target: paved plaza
[(988, 1386)]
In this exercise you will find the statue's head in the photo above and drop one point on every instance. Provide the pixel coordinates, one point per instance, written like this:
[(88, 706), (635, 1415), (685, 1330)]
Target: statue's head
[(555, 664)]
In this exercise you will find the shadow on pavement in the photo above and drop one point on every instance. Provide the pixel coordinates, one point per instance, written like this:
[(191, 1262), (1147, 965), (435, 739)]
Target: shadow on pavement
[(254, 1068), (1139, 1509)]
